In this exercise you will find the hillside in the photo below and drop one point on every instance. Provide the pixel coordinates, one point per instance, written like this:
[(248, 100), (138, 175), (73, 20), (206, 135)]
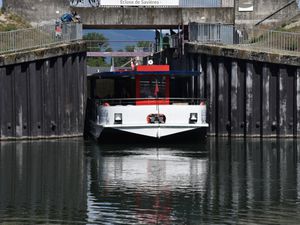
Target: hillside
[(292, 26), (10, 21)]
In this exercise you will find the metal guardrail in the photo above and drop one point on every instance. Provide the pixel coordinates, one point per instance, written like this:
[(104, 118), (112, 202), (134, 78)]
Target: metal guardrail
[(41, 36), (182, 4), (132, 101), (270, 40), (211, 33)]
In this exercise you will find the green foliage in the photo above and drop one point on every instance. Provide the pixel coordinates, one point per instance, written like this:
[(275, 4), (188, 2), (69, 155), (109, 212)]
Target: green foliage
[(143, 44), (120, 61), (97, 42), (97, 62), (129, 48)]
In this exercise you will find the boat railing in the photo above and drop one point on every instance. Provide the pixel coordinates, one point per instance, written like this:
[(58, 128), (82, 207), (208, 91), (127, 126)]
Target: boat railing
[(150, 101)]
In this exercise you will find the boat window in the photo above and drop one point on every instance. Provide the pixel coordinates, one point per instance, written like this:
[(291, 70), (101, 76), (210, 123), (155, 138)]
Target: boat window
[(153, 87), (125, 88)]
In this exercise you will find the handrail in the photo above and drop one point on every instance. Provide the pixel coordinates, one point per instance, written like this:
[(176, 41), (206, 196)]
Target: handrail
[(255, 38), (132, 101), (38, 37)]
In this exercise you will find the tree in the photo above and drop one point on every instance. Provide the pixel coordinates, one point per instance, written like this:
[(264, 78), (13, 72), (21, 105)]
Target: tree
[(120, 61), (97, 42)]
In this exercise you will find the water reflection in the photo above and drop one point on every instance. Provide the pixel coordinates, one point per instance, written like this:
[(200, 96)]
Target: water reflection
[(42, 181), (220, 181), (217, 182)]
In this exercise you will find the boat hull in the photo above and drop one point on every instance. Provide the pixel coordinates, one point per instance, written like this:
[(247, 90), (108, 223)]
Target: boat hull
[(149, 122), (113, 135)]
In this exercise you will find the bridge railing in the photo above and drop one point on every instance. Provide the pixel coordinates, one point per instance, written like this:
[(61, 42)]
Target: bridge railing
[(41, 36), (271, 40), (162, 4), (254, 38)]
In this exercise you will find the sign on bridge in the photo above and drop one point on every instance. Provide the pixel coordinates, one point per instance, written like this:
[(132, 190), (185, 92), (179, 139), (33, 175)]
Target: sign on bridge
[(140, 2), (119, 3)]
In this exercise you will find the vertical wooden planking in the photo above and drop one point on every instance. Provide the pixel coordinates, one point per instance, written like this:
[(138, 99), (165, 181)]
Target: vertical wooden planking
[(203, 76), (84, 88), (35, 102), (76, 92), (43, 96), (291, 102), (241, 98), (297, 102), (55, 75), (80, 82), (238, 98), (249, 98), (34, 94), (223, 99), (50, 97), (7, 109), (212, 95), (256, 129), (66, 104), (286, 102), (1, 100), (266, 126), (73, 90), (270, 100), (274, 100), (60, 95), (21, 98), (47, 93), (3, 91)]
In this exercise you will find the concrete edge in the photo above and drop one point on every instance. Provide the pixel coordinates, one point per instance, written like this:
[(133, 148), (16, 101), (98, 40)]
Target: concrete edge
[(244, 53), (42, 53)]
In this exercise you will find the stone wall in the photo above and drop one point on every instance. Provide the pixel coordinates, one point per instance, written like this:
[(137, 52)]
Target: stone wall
[(38, 11), (261, 9)]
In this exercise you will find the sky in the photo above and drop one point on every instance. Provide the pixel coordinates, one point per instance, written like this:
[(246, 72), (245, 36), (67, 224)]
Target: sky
[(0, 3)]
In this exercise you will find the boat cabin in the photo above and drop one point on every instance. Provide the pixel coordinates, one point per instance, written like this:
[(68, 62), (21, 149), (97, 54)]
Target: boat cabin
[(147, 85)]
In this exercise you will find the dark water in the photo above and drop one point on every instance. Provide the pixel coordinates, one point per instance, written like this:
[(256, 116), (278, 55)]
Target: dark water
[(217, 182)]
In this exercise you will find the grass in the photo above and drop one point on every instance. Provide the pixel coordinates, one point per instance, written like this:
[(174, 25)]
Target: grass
[(10, 21)]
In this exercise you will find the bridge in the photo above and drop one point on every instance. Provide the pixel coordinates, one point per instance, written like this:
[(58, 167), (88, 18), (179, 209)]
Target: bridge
[(169, 14)]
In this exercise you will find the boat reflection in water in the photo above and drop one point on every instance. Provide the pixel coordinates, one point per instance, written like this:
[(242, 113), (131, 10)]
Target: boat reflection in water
[(140, 182)]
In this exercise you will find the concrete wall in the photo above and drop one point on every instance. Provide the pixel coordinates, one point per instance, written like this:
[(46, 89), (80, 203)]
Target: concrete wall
[(37, 11), (42, 93), (134, 17), (261, 10), (250, 93)]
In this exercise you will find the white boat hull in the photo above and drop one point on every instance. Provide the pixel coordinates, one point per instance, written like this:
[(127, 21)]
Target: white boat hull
[(134, 120)]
